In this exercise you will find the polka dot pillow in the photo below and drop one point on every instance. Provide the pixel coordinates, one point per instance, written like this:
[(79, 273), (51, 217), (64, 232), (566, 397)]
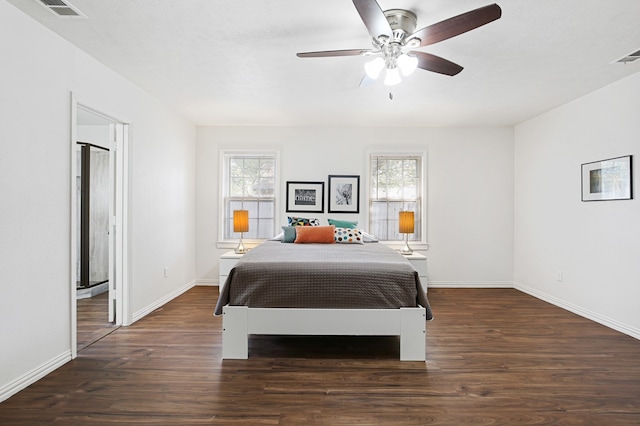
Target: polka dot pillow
[(348, 236)]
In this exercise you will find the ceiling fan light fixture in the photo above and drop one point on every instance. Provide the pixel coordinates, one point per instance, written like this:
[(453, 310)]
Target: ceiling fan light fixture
[(394, 36), (374, 68), (407, 64), (392, 77)]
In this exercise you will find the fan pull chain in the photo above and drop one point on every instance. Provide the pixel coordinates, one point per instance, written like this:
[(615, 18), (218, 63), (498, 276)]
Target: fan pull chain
[(390, 96)]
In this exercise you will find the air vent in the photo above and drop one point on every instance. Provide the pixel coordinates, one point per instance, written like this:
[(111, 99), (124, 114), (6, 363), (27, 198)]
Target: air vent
[(630, 57), (62, 9)]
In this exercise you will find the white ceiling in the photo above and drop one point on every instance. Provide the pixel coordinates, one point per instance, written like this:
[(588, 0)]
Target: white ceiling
[(233, 63)]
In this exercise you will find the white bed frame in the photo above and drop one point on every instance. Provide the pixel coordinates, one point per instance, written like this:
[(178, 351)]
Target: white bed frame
[(238, 322)]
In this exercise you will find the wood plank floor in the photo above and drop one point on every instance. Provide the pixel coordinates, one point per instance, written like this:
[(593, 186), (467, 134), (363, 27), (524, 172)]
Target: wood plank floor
[(494, 356), (92, 319)]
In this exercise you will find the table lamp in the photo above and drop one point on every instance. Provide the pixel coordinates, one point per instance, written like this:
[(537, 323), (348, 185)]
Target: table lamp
[(406, 227), (241, 225)]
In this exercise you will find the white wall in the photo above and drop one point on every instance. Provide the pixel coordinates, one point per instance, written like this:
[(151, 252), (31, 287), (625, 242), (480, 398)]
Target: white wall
[(39, 71), (470, 189), (596, 245)]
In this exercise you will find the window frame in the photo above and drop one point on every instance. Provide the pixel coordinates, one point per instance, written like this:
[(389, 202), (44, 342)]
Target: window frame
[(421, 242), (223, 181)]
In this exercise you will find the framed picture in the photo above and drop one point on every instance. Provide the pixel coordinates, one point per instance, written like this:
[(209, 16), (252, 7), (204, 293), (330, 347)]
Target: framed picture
[(305, 197), (607, 180), (344, 194)]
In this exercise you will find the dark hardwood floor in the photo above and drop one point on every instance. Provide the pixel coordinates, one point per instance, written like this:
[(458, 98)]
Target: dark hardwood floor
[(494, 357), (93, 319)]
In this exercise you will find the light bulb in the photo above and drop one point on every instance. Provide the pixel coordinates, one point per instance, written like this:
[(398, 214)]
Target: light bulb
[(393, 77), (374, 67), (407, 64)]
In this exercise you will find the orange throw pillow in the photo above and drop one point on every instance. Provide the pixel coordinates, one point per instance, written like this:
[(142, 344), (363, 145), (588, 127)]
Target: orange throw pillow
[(315, 234)]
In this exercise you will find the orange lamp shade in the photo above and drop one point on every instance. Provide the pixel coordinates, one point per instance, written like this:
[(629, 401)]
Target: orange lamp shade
[(406, 223), (240, 220)]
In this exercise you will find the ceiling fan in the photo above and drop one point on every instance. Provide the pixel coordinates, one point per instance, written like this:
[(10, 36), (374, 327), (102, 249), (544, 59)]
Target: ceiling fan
[(394, 37)]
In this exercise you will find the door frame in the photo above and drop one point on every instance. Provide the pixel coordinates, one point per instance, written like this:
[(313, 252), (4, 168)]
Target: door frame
[(118, 223)]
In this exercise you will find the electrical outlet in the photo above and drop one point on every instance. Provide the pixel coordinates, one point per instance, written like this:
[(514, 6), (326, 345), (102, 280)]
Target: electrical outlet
[(559, 276), (166, 272)]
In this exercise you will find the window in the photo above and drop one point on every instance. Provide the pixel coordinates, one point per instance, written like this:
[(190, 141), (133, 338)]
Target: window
[(249, 182), (396, 184)]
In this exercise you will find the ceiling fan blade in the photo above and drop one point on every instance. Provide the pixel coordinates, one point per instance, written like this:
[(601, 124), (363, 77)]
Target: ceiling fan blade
[(327, 53), (457, 25), (373, 18), (434, 63)]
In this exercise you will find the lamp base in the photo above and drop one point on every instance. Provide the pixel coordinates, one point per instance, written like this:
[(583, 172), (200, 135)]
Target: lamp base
[(240, 249), (406, 250)]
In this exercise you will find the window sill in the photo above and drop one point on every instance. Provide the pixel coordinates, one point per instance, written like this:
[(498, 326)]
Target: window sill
[(234, 243), (397, 245)]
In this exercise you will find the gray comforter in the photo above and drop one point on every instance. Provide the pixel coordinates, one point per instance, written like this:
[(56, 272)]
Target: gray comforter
[(323, 276)]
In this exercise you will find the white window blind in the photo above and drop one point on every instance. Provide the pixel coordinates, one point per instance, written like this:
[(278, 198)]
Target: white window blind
[(396, 184), (249, 182)]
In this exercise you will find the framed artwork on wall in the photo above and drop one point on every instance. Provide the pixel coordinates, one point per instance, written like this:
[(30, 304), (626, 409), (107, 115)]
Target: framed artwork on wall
[(607, 180), (344, 194), (305, 197)]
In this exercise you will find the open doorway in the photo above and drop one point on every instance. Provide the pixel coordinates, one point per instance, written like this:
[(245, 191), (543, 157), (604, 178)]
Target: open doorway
[(99, 226), (94, 177)]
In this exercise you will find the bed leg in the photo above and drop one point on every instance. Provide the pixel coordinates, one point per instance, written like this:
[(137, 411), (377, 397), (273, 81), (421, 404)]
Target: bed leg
[(235, 340), (412, 334)]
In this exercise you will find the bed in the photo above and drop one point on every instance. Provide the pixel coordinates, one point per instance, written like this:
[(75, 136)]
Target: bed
[(323, 289)]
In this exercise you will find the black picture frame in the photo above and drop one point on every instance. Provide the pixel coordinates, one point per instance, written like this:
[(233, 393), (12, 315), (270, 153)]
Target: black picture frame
[(607, 180), (344, 194), (305, 197)]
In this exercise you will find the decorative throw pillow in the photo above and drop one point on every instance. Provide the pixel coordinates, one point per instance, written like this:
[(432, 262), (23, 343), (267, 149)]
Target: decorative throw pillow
[(302, 221), (289, 234), (348, 236), (343, 223), (315, 234)]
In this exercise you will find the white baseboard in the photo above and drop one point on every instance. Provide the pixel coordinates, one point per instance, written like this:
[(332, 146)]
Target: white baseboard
[(208, 282), (593, 316), (434, 284), (470, 284), (34, 375), (161, 302)]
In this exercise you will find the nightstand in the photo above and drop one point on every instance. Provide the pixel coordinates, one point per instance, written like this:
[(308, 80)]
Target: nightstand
[(227, 262), (419, 263)]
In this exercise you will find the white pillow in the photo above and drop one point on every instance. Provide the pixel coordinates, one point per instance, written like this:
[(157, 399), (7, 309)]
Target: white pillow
[(368, 238), (278, 237)]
